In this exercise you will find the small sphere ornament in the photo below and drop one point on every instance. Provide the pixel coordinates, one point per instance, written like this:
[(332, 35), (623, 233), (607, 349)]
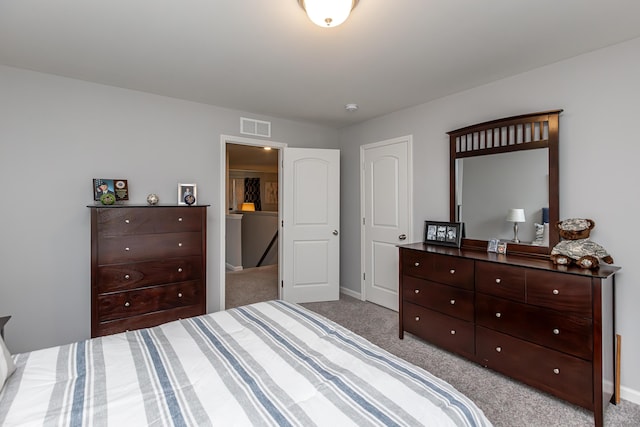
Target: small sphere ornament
[(152, 199)]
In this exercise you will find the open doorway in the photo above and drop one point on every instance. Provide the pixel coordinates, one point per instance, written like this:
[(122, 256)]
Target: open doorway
[(252, 241)]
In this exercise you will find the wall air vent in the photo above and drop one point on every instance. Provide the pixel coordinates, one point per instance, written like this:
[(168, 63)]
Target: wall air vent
[(255, 127)]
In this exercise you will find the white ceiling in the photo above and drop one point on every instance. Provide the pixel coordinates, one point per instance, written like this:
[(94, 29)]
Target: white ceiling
[(266, 57)]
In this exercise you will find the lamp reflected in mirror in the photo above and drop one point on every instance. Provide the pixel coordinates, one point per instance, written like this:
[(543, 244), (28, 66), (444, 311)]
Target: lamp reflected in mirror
[(515, 216)]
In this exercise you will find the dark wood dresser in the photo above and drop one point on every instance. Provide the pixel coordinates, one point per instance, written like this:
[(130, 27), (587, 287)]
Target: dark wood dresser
[(549, 326), (148, 266)]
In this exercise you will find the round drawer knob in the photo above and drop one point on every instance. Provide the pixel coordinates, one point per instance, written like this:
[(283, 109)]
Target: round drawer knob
[(452, 271), (452, 301), (180, 219), (498, 281), (127, 304), (498, 314), (179, 294), (417, 318), (453, 332), (126, 249), (126, 276), (498, 349), (417, 264), (180, 244), (126, 221), (556, 371), (417, 291), (556, 292), (556, 331), (179, 269)]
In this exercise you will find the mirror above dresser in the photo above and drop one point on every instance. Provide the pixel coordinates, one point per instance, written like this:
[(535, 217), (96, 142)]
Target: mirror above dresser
[(501, 165)]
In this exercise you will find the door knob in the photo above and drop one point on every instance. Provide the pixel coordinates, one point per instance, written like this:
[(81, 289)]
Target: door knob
[(402, 237), (335, 232)]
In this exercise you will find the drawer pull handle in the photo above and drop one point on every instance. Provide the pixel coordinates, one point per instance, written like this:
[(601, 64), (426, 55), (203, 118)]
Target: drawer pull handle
[(126, 276), (452, 302), (498, 314), (126, 249), (126, 221), (498, 281), (452, 271), (556, 292), (179, 244), (179, 294), (556, 331), (453, 332), (179, 269), (417, 318), (127, 304), (417, 264), (498, 349), (417, 291), (179, 219), (556, 371)]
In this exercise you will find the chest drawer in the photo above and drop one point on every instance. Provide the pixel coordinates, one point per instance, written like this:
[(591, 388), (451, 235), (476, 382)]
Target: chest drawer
[(449, 300), (147, 320), (567, 377), (120, 277), (445, 331), (501, 280), (569, 334), (444, 269), (122, 221), (562, 292), (125, 249), (157, 298)]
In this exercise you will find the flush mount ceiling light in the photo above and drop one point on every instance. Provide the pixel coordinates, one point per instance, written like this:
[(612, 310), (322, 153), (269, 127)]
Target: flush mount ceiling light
[(328, 13)]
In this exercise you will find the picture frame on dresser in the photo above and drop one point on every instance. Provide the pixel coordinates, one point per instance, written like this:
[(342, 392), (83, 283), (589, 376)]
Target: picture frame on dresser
[(443, 233), (187, 194)]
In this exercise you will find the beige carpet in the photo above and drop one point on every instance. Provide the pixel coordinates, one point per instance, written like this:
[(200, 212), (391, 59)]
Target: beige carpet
[(251, 285)]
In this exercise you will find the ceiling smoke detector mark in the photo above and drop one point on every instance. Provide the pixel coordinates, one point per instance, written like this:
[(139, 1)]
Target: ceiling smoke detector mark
[(255, 127), (351, 107)]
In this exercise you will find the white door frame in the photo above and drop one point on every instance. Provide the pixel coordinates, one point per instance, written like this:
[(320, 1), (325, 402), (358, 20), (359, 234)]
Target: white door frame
[(409, 140), (222, 202)]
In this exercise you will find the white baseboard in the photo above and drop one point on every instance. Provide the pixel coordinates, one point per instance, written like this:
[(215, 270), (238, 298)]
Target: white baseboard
[(230, 267), (629, 394), (350, 293)]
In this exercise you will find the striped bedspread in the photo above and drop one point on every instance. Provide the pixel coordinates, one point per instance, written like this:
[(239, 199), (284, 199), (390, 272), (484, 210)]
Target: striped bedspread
[(271, 363)]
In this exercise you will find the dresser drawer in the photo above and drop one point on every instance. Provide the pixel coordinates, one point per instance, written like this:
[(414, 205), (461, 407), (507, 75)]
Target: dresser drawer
[(445, 331), (567, 293), (125, 249), (444, 269), (449, 300), (569, 334), (501, 280), (148, 320), (122, 221), (565, 376), (121, 277), (147, 300)]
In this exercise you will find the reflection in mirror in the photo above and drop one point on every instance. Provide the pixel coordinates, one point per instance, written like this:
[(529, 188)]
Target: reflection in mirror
[(488, 186)]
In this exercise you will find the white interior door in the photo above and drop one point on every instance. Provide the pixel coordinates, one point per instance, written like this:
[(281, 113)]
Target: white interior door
[(311, 224), (386, 205)]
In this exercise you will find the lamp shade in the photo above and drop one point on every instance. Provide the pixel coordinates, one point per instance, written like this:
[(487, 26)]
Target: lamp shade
[(515, 215), (248, 207), (328, 13)]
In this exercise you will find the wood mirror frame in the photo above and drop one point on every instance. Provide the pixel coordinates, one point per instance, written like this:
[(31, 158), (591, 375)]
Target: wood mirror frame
[(525, 132)]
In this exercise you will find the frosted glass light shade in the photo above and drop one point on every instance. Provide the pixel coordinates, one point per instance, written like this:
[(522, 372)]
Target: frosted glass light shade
[(328, 13), (515, 215)]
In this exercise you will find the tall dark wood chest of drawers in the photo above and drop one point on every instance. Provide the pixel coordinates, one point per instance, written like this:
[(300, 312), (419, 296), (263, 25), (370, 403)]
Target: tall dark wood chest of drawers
[(549, 326), (148, 266)]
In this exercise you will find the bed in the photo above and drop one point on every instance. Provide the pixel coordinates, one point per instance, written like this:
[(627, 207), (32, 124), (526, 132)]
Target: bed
[(270, 363)]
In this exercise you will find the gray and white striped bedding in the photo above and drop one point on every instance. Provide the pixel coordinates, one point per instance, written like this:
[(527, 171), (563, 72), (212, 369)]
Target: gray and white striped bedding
[(270, 363)]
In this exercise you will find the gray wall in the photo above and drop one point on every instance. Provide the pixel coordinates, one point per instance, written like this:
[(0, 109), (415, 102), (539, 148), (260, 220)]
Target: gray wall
[(56, 134), (599, 152)]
